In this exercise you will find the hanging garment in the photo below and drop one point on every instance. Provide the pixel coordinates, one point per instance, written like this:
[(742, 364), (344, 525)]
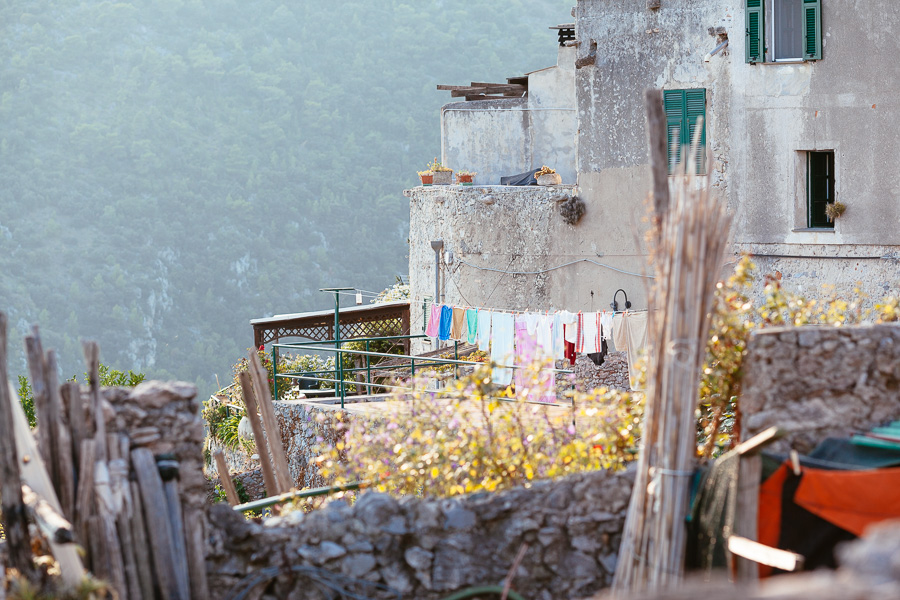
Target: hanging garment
[(525, 351), (531, 322), (446, 319), (570, 321), (484, 330), (502, 347), (471, 325), (544, 336), (458, 324), (606, 326), (630, 334), (559, 337), (569, 353), (588, 340), (599, 357), (434, 321)]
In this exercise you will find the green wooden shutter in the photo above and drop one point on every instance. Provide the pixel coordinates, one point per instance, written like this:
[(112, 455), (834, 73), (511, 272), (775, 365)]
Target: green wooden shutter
[(755, 45), (673, 101), (695, 107), (812, 29), (683, 107)]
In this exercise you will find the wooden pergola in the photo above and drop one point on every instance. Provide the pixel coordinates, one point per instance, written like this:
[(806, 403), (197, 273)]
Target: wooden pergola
[(355, 322)]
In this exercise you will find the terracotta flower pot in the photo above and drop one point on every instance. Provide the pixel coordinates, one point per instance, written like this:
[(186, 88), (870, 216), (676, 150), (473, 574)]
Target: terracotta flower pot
[(464, 179), (427, 179)]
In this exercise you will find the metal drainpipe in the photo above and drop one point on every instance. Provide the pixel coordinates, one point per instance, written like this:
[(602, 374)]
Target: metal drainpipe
[(437, 246)]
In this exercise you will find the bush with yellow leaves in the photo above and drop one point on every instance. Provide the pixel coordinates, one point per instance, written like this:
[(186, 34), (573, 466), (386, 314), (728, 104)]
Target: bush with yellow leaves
[(465, 439)]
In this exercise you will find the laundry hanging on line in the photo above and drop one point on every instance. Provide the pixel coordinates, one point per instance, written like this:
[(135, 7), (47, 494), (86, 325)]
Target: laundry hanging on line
[(558, 336)]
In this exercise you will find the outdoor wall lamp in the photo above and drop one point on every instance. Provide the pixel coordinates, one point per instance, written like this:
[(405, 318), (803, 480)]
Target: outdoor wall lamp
[(615, 305)]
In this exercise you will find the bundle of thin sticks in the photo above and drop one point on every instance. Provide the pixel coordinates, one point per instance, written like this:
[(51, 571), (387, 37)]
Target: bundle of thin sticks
[(691, 237)]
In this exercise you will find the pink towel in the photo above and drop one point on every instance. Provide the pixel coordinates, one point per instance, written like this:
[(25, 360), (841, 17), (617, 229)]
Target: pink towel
[(434, 321)]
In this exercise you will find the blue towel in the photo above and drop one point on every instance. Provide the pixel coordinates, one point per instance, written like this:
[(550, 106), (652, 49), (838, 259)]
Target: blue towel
[(446, 321)]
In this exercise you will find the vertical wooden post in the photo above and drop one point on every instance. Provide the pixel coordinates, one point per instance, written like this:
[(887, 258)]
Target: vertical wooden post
[(659, 158), (225, 478), (15, 524), (267, 412), (92, 361), (142, 552), (159, 528), (71, 395), (46, 436), (259, 437), (65, 466), (746, 516)]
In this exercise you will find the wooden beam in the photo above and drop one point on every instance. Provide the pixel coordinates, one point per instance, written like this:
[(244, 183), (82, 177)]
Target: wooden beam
[(51, 523), (657, 140), (756, 443), (765, 555), (259, 438), (227, 484), (267, 412), (15, 524)]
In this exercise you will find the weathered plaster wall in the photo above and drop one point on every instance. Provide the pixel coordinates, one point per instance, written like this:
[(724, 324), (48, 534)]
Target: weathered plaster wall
[(759, 119), (516, 229), (431, 548), (496, 138), (816, 382)]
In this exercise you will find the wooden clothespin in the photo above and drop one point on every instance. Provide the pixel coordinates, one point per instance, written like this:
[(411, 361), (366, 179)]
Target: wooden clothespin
[(795, 462)]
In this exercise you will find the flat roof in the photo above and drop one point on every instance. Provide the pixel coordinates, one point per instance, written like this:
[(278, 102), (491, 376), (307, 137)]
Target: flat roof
[(323, 313)]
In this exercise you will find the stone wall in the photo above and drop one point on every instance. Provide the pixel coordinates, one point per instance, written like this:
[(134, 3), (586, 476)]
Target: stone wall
[(431, 548), (816, 382), (613, 373)]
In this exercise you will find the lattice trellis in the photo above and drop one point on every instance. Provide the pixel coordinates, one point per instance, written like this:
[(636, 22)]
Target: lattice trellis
[(375, 321)]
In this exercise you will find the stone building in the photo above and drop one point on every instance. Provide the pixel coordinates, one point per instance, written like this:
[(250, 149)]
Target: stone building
[(798, 102)]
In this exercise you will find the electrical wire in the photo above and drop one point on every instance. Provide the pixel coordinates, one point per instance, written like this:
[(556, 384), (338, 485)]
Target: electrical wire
[(574, 262)]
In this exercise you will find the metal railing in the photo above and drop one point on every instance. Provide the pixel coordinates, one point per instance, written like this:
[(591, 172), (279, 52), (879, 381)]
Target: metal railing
[(414, 363)]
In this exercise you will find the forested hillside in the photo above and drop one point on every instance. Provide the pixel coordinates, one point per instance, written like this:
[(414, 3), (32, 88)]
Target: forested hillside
[(171, 169)]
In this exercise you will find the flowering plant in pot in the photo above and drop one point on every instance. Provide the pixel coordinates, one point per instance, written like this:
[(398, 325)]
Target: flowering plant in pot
[(465, 177), (442, 175), (547, 176), (426, 176)]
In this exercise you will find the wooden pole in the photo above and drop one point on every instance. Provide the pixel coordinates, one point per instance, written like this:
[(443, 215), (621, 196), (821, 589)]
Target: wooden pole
[(71, 396), (15, 524), (267, 412), (262, 447), (159, 527), (65, 471), (92, 361), (36, 476), (173, 507), (84, 500), (225, 478), (196, 552), (142, 553), (657, 143), (46, 436), (52, 524)]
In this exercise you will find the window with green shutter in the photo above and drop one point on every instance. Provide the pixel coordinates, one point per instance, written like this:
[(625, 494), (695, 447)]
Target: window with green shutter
[(783, 30), (819, 188), (683, 108)]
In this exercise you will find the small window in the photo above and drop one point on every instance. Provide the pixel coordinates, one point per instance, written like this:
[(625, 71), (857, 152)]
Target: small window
[(783, 30), (820, 188), (683, 108), (788, 27)]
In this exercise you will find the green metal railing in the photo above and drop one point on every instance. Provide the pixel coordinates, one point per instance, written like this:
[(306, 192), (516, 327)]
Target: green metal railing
[(414, 362), (282, 498)]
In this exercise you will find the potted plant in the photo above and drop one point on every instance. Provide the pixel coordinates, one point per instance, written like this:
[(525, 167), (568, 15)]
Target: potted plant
[(427, 177), (442, 175), (833, 210), (465, 177), (547, 176)]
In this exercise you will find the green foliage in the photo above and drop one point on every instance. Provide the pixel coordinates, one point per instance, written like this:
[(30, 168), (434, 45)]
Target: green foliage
[(26, 399), (151, 159), (465, 439), (108, 377)]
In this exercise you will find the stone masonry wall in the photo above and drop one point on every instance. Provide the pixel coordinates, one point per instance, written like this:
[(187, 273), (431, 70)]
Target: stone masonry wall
[(816, 382), (431, 548)]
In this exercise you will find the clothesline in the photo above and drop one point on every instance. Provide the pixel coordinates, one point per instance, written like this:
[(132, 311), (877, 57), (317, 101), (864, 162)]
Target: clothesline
[(529, 311)]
